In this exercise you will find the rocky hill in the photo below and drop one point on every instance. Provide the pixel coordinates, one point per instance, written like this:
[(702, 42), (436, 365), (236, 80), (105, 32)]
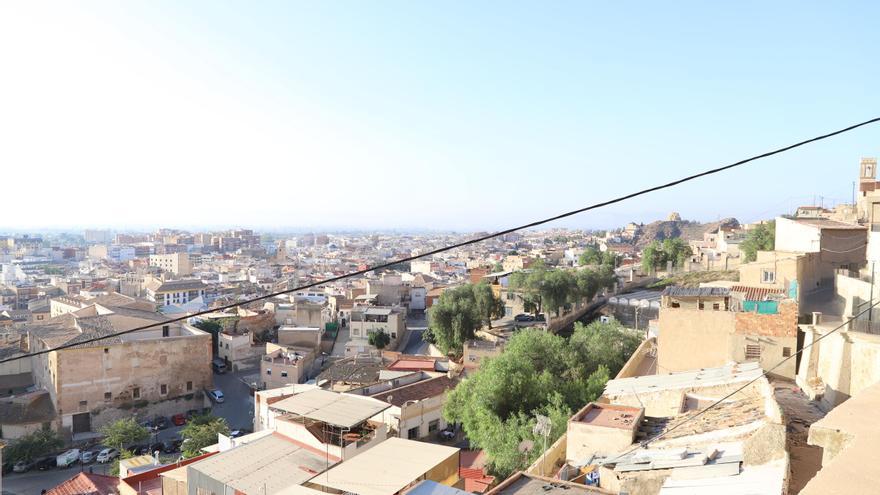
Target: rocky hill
[(686, 229)]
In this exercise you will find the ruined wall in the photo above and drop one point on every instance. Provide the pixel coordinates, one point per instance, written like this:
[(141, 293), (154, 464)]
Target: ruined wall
[(133, 373)]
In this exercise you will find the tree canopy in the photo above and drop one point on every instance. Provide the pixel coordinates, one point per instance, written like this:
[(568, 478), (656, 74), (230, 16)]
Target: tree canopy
[(657, 255), (124, 432), (538, 373), (33, 445), (459, 313), (761, 238), (200, 432), (544, 289), (379, 339)]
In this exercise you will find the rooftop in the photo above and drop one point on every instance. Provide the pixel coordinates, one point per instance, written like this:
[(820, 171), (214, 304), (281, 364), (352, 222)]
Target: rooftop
[(337, 409), (428, 487), (824, 223), (729, 374), (609, 416), (393, 464), (424, 389), (677, 291), (265, 466), (87, 484), (527, 484)]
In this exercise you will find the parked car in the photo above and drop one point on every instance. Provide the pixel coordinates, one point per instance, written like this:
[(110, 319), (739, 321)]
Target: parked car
[(46, 463), (216, 395), (171, 446), (88, 456), (523, 317), (107, 455), (219, 366), (161, 422), (148, 424), (179, 419), (239, 432), (447, 433), (68, 458), (23, 466)]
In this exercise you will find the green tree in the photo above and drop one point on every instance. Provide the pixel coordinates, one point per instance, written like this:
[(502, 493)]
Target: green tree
[(602, 344), (379, 339), (488, 306), (124, 432), (590, 256), (761, 238), (538, 373), (498, 268), (200, 432), (454, 319), (656, 255), (33, 445)]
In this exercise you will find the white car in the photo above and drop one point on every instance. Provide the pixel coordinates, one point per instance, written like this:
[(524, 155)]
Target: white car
[(87, 456), (107, 455), (68, 458), (217, 395)]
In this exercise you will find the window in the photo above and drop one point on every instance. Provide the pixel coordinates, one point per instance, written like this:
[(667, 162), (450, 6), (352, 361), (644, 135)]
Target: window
[(786, 352), (413, 433), (268, 371), (284, 374), (136, 393), (701, 305), (227, 345), (508, 311), (753, 352), (163, 389), (768, 276), (107, 396), (433, 426), (674, 305), (106, 350), (716, 306), (189, 386)]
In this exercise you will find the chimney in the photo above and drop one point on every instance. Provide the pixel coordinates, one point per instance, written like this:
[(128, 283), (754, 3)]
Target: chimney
[(817, 317)]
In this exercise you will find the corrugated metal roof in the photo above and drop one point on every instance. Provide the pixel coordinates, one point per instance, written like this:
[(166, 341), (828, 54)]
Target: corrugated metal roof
[(330, 407), (386, 468), (732, 373), (695, 291), (265, 466)]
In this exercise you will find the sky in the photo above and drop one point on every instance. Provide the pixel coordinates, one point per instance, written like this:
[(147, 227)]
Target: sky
[(425, 115)]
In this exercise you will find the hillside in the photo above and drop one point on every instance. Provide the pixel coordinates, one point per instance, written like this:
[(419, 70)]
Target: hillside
[(686, 229)]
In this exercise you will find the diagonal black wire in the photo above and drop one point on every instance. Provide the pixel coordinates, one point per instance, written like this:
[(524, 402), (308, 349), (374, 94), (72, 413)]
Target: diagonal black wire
[(645, 443), (460, 244)]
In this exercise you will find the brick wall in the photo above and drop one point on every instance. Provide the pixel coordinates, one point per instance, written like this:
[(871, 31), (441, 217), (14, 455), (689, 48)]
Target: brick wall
[(782, 324)]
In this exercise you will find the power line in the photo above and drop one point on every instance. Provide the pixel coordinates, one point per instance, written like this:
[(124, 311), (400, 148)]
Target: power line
[(645, 443), (475, 240)]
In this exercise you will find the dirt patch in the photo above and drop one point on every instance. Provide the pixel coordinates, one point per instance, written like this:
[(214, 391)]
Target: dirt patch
[(799, 413)]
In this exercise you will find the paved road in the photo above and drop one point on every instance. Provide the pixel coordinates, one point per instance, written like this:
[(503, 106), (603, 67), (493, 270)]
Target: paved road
[(342, 338), (238, 406), (416, 325)]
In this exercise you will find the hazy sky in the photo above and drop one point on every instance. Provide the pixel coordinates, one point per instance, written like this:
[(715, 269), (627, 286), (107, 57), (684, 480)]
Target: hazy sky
[(462, 115)]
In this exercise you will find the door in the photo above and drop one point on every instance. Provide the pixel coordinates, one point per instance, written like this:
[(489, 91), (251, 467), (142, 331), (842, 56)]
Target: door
[(82, 423)]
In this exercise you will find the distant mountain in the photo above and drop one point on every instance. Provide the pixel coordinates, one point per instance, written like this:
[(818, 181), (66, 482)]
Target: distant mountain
[(686, 229)]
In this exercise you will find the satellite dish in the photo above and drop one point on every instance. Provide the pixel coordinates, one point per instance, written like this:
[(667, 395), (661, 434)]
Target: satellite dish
[(526, 446)]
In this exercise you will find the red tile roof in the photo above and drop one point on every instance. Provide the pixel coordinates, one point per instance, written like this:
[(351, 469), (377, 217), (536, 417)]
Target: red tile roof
[(424, 389), (87, 484)]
